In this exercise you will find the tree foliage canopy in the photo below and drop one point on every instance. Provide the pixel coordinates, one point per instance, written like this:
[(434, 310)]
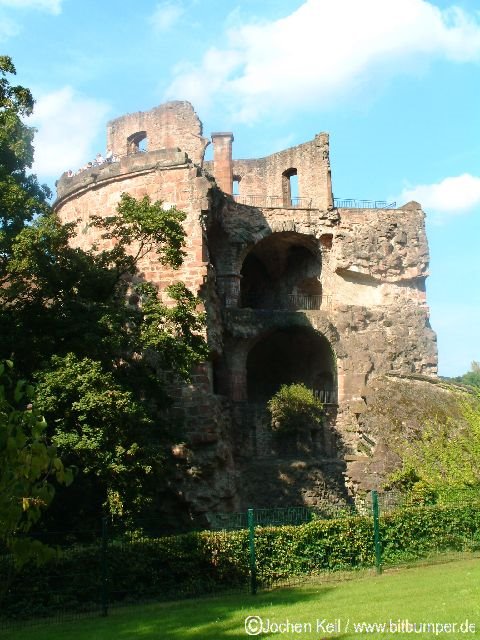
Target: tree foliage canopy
[(99, 341), (21, 197), (472, 377), (444, 455), (28, 462)]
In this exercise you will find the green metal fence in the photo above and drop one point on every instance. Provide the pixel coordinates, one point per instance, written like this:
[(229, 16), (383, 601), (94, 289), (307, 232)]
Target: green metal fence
[(115, 564)]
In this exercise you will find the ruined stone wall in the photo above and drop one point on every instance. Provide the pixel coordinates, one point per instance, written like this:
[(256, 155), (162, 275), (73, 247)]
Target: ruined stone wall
[(389, 245), (171, 125), (287, 483), (207, 477), (264, 177), (362, 271), (372, 276), (383, 250)]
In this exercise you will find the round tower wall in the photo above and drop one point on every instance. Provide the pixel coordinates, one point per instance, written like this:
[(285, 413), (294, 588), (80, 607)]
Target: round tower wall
[(179, 184)]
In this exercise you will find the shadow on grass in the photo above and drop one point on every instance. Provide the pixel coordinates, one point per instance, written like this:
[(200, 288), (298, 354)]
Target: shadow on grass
[(447, 591), (223, 618), (199, 619)]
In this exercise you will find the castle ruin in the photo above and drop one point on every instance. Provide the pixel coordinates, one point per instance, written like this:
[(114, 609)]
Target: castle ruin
[(297, 287)]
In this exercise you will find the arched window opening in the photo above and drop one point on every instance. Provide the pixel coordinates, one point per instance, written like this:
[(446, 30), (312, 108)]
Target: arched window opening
[(219, 376), (137, 142), (290, 187), (256, 285), (288, 356), (236, 185), (282, 272)]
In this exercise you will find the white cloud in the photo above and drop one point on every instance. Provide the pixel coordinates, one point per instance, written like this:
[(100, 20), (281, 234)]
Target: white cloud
[(8, 28), (51, 6), (165, 16), (67, 125), (322, 50), (201, 88), (451, 196)]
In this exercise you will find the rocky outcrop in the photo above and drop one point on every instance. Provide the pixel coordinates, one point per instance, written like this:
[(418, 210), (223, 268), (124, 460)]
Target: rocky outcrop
[(394, 410)]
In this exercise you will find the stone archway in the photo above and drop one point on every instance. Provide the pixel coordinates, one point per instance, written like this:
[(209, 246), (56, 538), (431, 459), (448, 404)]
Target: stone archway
[(282, 271), (285, 356), (289, 187), (137, 142), (289, 355)]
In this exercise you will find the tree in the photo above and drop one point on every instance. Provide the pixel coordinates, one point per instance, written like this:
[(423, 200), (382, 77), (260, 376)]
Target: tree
[(21, 197), (100, 347), (472, 377), (103, 430), (87, 334), (58, 299), (28, 462), (444, 455)]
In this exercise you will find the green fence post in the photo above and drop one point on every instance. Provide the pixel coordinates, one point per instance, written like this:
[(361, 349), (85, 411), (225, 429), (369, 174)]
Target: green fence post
[(251, 543), (376, 532), (104, 594)]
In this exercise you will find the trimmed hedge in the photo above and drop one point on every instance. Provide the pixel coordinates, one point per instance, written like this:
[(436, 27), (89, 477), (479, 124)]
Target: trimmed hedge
[(197, 563), (420, 531)]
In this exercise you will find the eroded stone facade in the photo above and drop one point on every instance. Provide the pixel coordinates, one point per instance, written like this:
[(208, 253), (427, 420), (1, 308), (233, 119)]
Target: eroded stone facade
[(296, 289)]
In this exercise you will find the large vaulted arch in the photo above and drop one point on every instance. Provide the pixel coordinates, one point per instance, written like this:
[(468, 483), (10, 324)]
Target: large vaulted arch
[(282, 271), (291, 355)]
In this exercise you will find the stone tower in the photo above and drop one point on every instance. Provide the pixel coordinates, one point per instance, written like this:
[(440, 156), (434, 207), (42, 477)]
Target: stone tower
[(297, 286)]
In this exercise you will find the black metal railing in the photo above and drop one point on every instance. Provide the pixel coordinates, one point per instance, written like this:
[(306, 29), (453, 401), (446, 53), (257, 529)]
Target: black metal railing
[(352, 203), (273, 202), (302, 302), (327, 396), (291, 302), (278, 202)]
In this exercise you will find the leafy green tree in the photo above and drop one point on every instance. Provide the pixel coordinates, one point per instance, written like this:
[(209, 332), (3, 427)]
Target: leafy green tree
[(99, 342), (28, 462), (444, 456), (103, 430), (472, 377), (66, 312), (21, 197), (60, 299)]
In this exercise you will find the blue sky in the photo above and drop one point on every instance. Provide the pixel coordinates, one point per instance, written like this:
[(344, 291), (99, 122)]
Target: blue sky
[(396, 83)]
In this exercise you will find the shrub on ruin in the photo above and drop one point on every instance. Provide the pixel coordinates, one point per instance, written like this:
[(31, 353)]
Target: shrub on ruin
[(295, 408)]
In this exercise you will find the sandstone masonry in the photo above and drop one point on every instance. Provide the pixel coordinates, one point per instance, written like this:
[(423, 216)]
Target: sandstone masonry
[(296, 288)]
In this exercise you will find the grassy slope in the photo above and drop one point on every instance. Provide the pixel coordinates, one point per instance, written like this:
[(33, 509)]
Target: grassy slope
[(439, 594)]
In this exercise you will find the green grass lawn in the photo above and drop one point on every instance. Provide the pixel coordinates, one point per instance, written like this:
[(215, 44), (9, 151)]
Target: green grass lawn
[(440, 594)]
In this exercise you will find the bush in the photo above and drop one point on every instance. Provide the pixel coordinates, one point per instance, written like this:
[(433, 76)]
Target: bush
[(203, 562), (294, 408)]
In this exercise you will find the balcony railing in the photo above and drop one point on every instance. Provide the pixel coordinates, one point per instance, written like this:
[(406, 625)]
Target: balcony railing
[(278, 202), (292, 302), (327, 396), (273, 202), (301, 302), (352, 203)]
